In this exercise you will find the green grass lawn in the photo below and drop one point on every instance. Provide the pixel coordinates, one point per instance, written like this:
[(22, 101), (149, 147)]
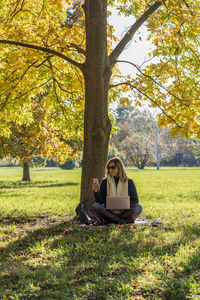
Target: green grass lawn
[(45, 255)]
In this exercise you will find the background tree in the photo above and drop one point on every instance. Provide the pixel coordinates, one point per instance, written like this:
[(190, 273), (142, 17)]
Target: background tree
[(123, 112), (160, 143), (194, 147), (137, 151), (113, 151), (158, 140), (142, 125), (68, 165), (186, 153), (49, 48), (40, 137), (123, 130), (163, 148)]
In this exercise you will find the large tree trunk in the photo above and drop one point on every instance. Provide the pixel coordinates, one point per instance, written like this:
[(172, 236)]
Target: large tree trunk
[(26, 172), (97, 125)]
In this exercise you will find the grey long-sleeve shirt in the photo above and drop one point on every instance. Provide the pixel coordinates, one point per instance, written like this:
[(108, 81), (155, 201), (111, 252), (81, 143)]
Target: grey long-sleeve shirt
[(100, 196)]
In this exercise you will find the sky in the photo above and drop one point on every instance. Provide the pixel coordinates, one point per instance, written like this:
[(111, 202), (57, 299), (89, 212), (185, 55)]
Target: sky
[(137, 50)]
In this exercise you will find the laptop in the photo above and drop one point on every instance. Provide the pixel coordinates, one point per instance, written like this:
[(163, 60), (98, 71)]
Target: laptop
[(118, 202)]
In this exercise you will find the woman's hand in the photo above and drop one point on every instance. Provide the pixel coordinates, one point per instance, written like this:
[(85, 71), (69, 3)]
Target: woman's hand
[(95, 185)]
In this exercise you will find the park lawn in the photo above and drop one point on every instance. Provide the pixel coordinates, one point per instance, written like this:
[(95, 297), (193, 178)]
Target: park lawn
[(45, 255)]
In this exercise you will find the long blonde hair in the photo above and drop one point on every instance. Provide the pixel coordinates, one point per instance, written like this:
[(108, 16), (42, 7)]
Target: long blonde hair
[(122, 171)]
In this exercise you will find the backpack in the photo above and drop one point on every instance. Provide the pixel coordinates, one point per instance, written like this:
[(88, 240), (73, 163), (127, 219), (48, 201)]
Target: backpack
[(86, 216)]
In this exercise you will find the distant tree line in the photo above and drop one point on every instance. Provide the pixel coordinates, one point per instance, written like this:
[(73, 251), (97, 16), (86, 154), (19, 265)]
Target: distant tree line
[(140, 142)]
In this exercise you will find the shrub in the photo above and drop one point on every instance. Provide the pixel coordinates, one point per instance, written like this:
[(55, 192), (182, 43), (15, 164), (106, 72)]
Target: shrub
[(68, 165)]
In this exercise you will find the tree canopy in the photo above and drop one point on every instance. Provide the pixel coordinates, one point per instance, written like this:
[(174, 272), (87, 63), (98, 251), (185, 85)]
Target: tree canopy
[(48, 40), (41, 137), (28, 70)]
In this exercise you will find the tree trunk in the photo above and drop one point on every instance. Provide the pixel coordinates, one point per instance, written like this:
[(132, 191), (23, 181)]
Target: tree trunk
[(158, 151), (158, 161), (26, 172), (97, 125)]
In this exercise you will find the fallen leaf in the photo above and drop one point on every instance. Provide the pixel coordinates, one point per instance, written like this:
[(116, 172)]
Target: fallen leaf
[(55, 283), (134, 282)]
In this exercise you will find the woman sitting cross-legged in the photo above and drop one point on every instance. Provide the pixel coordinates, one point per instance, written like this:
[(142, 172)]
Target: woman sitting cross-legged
[(116, 183)]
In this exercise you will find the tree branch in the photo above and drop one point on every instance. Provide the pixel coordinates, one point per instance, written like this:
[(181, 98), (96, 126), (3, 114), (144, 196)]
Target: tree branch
[(43, 49), (22, 76), (129, 35), (160, 85), (78, 48), (32, 89), (51, 67), (31, 65), (15, 11), (144, 94), (6, 101), (188, 6), (43, 5), (55, 90)]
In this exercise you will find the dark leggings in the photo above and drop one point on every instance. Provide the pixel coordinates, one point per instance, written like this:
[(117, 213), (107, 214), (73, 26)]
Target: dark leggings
[(128, 215)]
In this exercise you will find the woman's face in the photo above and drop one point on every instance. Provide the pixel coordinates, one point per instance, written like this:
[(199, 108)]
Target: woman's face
[(113, 169)]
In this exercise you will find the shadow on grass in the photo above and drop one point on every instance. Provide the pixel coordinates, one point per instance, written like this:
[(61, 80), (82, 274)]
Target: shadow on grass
[(22, 221), (38, 184), (33, 236), (98, 260)]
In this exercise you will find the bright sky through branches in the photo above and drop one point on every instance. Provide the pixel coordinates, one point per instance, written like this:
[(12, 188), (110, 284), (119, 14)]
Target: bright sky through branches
[(137, 50)]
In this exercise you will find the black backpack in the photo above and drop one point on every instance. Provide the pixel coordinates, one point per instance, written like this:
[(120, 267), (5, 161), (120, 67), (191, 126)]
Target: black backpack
[(86, 216)]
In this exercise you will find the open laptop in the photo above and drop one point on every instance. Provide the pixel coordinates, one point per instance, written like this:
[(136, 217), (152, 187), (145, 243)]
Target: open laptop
[(119, 202)]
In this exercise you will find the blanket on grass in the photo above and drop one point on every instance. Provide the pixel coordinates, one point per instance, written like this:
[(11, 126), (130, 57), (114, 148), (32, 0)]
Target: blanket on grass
[(137, 222)]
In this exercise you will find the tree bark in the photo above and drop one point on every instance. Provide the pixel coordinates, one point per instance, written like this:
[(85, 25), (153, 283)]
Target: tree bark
[(97, 125), (158, 161), (26, 172)]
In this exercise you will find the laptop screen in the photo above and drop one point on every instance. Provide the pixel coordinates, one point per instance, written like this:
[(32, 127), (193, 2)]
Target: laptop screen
[(119, 202)]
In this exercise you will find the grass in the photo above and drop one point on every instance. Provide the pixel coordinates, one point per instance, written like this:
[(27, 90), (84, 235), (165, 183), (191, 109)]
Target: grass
[(44, 255)]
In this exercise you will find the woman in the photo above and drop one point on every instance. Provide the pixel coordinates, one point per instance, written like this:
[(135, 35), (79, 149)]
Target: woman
[(116, 183)]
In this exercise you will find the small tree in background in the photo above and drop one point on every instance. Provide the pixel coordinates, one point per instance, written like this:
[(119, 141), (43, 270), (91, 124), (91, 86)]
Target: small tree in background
[(40, 137), (137, 151), (194, 147), (142, 125), (187, 152), (68, 165), (158, 140)]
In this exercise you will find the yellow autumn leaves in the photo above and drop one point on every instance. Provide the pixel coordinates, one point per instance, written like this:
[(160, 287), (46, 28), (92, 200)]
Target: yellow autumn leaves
[(169, 80)]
